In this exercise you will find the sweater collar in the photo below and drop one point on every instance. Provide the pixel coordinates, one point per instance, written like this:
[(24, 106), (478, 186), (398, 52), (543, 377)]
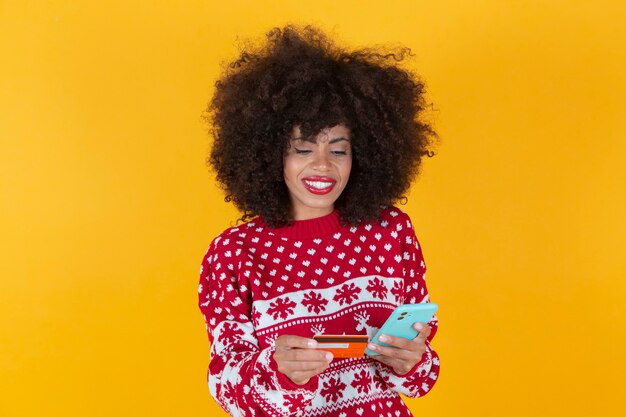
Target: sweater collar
[(310, 228)]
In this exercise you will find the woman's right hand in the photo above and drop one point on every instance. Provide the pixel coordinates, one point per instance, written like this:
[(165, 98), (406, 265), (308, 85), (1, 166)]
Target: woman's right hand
[(298, 359)]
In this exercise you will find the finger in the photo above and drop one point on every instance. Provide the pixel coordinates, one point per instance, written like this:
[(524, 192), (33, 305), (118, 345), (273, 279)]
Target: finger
[(423, 329), (291, 341), (394, 352), (300, 366), (304, 375), (387, 360), (309, 368), (303, 355), (383, 359), (398, 342), (309, 355), (400, 366)]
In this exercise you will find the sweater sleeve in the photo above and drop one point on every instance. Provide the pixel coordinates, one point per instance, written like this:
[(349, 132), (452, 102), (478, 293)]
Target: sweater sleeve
[(242, 378), (419, 380)]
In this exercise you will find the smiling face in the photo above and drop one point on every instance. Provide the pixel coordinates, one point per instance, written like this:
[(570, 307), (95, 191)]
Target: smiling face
[(316, 171)]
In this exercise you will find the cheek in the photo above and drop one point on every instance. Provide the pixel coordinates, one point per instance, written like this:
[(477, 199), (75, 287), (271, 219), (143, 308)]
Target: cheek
[(290, 170)]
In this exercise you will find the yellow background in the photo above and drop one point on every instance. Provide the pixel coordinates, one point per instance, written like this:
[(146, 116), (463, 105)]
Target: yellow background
[(107, 207)]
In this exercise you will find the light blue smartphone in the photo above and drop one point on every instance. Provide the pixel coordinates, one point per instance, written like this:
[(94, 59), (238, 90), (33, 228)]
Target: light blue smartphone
[(400, 322)]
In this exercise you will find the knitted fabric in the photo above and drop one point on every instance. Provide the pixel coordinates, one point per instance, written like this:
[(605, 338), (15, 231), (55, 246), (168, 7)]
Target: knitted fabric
[(312, 277)]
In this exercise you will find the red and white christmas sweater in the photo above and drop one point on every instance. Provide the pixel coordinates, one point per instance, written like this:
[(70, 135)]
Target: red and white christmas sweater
[(312, 277)]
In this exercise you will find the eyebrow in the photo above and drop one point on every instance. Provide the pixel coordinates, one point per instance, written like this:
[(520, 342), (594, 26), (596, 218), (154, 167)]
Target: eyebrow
[(313, 141)]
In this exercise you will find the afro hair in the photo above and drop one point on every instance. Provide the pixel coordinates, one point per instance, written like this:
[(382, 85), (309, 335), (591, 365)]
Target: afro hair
[(300, 77)]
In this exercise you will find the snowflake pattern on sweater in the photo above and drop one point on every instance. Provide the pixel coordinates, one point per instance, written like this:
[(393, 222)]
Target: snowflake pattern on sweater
[(313, 277)]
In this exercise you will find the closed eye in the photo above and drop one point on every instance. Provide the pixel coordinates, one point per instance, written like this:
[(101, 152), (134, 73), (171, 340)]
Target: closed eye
[(339, 153), (303, 151)]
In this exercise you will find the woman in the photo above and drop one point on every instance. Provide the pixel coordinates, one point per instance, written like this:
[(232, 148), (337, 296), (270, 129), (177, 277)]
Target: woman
[(314, 144)]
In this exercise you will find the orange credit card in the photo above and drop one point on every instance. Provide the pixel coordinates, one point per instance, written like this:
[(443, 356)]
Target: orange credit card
[(342, 346)]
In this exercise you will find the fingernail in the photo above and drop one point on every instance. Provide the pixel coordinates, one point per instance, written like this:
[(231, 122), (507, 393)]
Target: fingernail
[(419, 326), (372, 346), (312, 344), (383, 338), (329, 356)]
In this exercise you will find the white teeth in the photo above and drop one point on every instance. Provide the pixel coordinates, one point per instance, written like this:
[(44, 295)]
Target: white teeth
[(318, 184)]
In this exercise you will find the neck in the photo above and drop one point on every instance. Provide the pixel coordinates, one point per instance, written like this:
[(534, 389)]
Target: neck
[(311, 228)]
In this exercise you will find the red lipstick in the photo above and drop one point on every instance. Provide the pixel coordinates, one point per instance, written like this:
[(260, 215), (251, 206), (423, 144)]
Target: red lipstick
[(319, 185)]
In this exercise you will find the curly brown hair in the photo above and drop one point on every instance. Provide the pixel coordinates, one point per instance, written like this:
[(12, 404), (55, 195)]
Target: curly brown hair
[(300, 77)]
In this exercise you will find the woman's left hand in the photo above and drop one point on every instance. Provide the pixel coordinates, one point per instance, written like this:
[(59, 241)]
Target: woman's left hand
[(402, 354)]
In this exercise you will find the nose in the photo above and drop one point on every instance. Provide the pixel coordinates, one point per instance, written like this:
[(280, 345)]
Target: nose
[(321, 161)]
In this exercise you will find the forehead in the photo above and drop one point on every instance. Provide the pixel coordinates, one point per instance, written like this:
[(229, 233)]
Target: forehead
[(325, 135)]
